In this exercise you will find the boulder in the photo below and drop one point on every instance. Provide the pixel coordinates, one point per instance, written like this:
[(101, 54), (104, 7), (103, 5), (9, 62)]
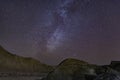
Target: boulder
[(110, 74), (72, 69)]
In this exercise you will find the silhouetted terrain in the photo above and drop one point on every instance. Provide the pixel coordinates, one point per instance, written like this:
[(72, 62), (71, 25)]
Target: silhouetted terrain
[(13, 63), (73, 69), (68, 69)]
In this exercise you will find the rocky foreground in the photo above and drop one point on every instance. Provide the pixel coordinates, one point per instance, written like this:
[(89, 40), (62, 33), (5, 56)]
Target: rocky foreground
[(69, 69), (72, 69)]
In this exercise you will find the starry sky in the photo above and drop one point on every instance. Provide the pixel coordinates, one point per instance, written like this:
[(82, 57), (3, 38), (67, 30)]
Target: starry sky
[(52, 30)]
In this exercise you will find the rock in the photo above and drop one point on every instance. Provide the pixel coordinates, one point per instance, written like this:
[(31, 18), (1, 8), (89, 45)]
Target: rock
[(109, 75), (101, 69), (71, 69), (115, 65)]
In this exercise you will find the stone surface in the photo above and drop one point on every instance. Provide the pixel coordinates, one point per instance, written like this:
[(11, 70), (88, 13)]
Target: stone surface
[(71, 69), (13, 63)]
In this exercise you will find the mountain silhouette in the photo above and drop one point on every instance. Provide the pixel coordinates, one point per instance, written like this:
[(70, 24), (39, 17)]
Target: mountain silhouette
[(11, 62)]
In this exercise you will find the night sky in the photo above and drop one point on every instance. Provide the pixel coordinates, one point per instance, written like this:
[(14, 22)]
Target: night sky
[(52, 30)]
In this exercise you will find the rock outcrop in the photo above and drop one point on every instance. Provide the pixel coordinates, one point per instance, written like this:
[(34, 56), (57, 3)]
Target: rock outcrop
[(110, 74), (72, 69), (115, 65), (13, 63)]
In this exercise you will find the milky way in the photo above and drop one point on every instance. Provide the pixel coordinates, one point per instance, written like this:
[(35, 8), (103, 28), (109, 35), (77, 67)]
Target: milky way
[(55, 40), (52, 30), (58, 35)]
